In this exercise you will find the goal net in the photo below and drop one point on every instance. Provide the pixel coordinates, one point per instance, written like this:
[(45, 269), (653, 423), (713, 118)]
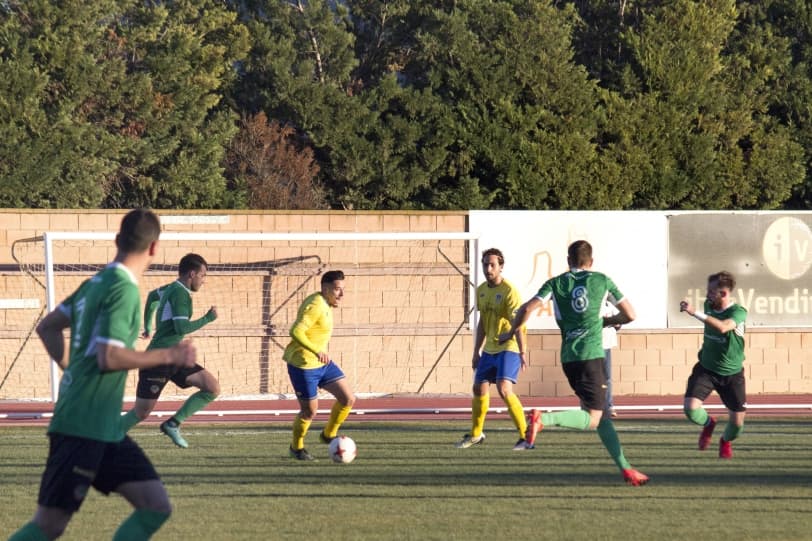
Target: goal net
[(403, 320)]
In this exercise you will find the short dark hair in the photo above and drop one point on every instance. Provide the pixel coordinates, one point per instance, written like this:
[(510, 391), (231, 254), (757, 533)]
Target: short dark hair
[(494, 251), (579, 253), (191, 262), (723, 279), (139, 229), (331, 276)]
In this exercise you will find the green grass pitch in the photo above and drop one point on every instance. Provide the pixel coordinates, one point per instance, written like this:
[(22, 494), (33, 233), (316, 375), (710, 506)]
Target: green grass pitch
[(410, 483)]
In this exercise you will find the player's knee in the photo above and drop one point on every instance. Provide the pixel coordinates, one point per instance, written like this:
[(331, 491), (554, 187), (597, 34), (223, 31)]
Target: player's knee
[(687, 410), (53, 529), (142, 412), (164, 507), (306, 414), (349, 401)]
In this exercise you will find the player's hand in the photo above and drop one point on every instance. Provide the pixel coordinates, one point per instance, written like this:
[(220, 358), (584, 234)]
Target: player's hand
[(525, 363), (324, 357), (685, 306), (184, 354), (212, 313), (475, 360), (505, 336)]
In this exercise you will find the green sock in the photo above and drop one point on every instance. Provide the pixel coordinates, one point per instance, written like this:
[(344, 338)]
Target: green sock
[(608, 434), (732, 432), (29, 532), (129, 420), (697, 416), (193, 404), (141, 524), (577, 419)]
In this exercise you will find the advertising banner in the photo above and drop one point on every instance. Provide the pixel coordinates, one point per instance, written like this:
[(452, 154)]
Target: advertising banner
[(769, 254), (631, 247)]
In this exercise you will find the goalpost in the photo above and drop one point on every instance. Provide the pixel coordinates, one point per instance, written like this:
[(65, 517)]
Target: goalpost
[(399, 329)]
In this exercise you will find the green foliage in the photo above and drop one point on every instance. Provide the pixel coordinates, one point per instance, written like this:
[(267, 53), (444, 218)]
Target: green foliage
[(691, 128), (418, 104), (116, 103)]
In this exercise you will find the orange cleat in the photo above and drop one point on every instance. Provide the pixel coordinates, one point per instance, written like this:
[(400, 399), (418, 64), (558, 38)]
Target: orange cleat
[(534, 426), (725, 449), (634, 477)]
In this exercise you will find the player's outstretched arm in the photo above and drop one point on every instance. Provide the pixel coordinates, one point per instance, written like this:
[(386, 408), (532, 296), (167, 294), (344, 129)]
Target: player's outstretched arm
[(111, 357), (185, 326), (721, 325), (521, 317), (51, 333)]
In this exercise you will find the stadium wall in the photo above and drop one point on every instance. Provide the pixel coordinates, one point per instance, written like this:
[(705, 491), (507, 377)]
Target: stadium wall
[(646, 362)]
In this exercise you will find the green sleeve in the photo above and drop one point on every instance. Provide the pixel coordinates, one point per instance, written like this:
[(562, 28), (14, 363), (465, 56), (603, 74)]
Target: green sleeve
[(546, 290), (184, 326), (149, 310), (180, 301)]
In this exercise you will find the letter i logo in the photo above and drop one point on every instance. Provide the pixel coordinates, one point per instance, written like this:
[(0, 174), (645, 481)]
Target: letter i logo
[(786, 248)]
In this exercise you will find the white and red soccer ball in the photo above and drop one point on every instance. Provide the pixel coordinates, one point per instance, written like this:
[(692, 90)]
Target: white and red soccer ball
[(342, 449)]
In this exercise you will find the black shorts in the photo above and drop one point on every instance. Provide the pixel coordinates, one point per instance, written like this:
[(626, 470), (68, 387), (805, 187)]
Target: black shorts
[(731, 389), (151, 381), (588, 380), (75, 464)]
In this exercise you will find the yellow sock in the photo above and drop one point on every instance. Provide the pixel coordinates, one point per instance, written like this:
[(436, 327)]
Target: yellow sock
[(479, 409), (338, 414), (517, 413), (300, 427)]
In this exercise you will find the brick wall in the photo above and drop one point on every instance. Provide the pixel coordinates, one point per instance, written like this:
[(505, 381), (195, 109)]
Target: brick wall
[(375, 352)]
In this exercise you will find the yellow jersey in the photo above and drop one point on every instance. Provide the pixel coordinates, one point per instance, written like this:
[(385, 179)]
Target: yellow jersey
[(310, 333), (497, 306)]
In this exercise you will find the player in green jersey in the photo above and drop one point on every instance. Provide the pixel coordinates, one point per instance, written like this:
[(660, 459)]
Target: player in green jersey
[(174, 307), (578, 297), (87, 446), (492, 361), (720, 365), (310, 366)]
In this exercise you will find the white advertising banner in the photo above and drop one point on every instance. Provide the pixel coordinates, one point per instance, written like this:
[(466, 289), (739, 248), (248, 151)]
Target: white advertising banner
[(630, 247)]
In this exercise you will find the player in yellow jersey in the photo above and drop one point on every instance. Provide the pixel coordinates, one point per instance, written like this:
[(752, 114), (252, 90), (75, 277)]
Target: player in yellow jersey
[(497, 302), (310, 367)]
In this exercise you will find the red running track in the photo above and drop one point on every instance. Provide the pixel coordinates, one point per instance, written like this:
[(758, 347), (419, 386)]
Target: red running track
[(416, 407)]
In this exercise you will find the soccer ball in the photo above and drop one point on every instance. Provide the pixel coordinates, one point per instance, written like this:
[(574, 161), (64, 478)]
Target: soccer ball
[(342, 450)]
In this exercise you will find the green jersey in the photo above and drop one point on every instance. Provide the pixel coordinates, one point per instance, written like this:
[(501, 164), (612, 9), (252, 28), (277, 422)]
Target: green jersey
[(723, 353), (174, 312), (578, 298), (106, 309)]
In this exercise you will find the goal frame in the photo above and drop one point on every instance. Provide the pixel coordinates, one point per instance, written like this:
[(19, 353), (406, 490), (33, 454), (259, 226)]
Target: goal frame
[(49, 237)]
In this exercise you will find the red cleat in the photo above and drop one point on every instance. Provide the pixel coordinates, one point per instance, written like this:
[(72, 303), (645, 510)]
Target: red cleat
[(634, 477), (534, 426), (725, 449), (707, 434)]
